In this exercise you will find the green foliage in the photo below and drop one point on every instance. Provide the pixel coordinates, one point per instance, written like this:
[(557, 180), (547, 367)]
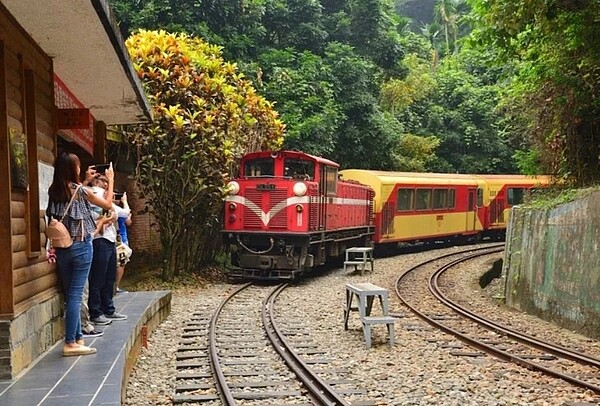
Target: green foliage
[(556, 46), (552, 197), (528, 161), (238, 25), (456, 103), (321, 63), (301, 84), (399, 94), (206, 115), (415, 152)]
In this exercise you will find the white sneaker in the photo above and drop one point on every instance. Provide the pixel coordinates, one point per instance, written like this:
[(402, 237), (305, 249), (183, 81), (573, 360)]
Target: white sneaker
[(101, 320), (115, 316)]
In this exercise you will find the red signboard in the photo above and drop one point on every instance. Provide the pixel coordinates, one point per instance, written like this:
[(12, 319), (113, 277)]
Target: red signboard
[(71, 130), (73, 118)]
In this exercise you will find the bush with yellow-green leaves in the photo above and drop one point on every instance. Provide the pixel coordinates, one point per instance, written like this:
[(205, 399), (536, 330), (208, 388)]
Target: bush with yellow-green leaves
[(206, 116)]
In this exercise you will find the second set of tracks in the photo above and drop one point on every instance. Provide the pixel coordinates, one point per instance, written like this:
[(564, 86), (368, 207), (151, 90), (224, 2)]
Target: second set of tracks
[(484, 334)]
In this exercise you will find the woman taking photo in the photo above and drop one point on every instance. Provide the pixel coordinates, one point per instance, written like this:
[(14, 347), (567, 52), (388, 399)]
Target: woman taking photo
[(70, 201)]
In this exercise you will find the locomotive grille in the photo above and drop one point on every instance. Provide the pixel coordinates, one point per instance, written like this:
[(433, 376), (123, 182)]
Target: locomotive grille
[(265, 200)]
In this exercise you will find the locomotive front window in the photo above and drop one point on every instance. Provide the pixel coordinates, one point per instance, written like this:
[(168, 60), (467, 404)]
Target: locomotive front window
[(423, 199), (515, 196), (299, 169), (406, 200), (259, 167)]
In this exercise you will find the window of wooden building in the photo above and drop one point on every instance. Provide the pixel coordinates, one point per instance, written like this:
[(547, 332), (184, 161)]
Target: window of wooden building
[(32, 199)]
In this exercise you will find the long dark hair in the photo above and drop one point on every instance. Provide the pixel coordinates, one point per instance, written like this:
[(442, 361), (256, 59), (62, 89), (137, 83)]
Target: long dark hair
[(65, 173)]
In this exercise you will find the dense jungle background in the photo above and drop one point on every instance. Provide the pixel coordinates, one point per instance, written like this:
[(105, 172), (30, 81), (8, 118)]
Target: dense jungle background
[(475, 86)]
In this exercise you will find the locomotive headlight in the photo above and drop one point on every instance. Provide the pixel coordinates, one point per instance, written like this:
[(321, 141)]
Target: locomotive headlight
[(233, 187), (299, 208), (300, 189), (232, 206)]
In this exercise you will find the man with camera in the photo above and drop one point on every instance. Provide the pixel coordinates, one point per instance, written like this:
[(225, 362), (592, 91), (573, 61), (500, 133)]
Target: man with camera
[(104, 261)]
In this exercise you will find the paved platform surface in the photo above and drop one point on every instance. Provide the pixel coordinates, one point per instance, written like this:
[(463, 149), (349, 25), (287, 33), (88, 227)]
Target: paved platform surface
[(96, 379)]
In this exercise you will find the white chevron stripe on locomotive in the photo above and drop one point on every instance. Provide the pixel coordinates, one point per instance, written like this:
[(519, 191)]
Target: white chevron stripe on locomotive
[(266, 217)]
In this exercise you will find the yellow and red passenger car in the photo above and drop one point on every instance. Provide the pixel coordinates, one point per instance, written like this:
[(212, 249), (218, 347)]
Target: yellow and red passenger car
[(412, 207)]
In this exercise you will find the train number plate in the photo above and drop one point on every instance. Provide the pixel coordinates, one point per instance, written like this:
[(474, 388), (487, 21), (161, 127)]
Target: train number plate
[(265, 186)]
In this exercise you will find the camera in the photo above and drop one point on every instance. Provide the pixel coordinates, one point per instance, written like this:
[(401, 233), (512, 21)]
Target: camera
[(101, 168), (118, 195)]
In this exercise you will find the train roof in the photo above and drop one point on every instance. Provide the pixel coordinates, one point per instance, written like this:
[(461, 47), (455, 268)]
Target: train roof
[(290, 154), (385, 177)]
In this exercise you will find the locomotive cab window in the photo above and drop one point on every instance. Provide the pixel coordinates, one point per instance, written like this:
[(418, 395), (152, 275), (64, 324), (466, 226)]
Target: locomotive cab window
[(479, 197), (515, 196), (299, 169), (406, 200), (423, 199), (331, 178), (259, 167)]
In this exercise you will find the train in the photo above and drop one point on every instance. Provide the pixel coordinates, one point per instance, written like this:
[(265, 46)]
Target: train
[(288, 212)]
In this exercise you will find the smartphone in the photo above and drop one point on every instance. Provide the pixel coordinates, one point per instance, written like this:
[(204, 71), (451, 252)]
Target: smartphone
[(101, 168), (117, 195)]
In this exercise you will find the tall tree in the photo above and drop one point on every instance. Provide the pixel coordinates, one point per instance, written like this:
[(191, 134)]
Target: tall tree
[(555, 95), (301, 84)]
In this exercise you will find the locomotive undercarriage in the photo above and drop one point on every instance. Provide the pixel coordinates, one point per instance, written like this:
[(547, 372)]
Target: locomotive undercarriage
[(259, 256)]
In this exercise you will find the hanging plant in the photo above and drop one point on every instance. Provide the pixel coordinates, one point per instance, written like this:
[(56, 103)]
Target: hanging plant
[(18, 160)]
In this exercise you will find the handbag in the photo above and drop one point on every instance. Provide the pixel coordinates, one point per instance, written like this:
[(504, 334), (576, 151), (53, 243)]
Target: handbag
[(56, 231), (123, 251)]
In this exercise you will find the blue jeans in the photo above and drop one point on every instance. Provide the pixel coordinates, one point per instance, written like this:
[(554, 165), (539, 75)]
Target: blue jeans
[(102, 278), (73, 265)]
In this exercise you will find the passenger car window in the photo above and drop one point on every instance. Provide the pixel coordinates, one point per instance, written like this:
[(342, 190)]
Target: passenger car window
[(440, 198), (451, 198), (406, 200), (479, 197), (515, 196), (423, 199)]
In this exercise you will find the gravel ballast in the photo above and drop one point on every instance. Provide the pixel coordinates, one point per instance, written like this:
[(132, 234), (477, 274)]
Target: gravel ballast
[(415, 371)]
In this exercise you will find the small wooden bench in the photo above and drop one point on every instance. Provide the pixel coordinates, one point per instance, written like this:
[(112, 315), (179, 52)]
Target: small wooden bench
[(359, 257), (365, 294)]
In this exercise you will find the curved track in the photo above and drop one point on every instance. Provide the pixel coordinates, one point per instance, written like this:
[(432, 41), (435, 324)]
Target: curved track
[(487, 335)]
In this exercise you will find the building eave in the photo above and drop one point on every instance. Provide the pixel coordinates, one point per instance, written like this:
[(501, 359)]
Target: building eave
[(88, 53)]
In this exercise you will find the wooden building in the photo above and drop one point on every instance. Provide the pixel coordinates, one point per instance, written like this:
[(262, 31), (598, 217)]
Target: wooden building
[(64, 76)]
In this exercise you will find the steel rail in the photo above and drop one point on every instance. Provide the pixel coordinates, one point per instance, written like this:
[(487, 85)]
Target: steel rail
[(322, 392), (224, 390), (520, 337), (475, 343)]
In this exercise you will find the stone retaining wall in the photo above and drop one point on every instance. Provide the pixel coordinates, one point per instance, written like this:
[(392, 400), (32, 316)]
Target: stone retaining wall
[(552, 264)]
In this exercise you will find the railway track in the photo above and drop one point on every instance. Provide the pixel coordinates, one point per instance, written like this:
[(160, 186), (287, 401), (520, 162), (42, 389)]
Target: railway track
[(484, 334), (240, 354)]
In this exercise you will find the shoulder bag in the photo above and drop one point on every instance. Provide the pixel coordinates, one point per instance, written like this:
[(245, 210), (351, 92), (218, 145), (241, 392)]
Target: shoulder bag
[(56, 231)]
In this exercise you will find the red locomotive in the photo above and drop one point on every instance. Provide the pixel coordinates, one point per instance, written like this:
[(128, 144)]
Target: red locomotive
[(288, 212)]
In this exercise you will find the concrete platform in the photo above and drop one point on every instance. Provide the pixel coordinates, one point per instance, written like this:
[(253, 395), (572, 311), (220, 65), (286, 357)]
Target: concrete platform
[(99, 379)]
